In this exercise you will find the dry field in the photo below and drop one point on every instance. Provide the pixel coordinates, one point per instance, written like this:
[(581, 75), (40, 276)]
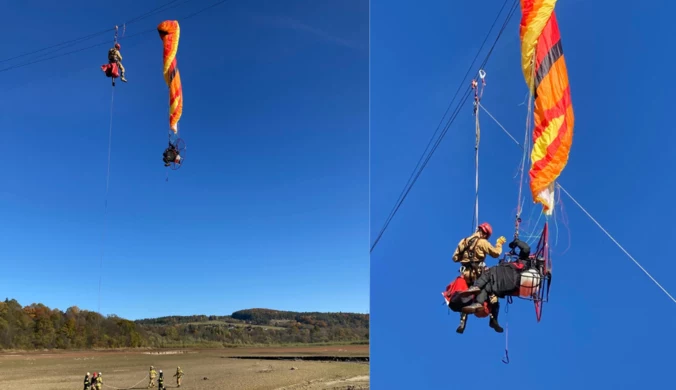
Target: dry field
[(204, 369)]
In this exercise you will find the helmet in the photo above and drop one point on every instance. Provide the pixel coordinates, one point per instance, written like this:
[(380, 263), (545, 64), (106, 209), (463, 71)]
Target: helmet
[(117, 46), (160, 371), (486, 228), (88, 374)]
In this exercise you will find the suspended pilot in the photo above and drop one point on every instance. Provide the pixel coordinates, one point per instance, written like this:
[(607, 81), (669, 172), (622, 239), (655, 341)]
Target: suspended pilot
[(114, 56), (501, 280), (171, 155), (471, 253)]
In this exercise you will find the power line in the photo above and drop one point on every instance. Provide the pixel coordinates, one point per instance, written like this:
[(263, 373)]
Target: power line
[(92, 35), (425, 158), (107, 42)]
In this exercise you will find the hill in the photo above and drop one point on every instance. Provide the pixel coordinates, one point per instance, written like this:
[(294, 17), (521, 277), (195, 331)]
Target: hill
[(38, 327)]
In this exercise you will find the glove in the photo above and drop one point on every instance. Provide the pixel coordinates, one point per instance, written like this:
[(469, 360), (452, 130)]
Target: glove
[(493, 299), (501, 240)]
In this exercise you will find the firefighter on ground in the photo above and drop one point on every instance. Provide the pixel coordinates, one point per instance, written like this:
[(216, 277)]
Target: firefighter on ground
[(471, 253), (178, 375), (114, 56), (99, 382), (160, 381), (152, 375), (87, 382)]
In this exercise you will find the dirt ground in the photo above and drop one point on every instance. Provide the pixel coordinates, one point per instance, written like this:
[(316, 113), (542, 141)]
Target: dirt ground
[(129, 370)]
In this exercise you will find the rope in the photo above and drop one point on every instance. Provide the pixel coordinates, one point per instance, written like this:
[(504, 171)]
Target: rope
[(105, 207), (506, 358), (426, 156), (593, 219), (616, 243), (478, 94), (127, 388)]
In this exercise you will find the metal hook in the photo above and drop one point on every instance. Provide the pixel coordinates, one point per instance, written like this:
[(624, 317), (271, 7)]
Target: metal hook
[(482, 74), (506, 358)]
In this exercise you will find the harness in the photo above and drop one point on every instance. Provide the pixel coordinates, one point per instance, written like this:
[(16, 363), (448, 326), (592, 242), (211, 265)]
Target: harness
[(475, 268)]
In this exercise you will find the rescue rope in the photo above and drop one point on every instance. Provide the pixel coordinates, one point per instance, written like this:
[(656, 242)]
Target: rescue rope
[(506, 358), (591, 217), (105, 203), (127, 388), (478, 94)]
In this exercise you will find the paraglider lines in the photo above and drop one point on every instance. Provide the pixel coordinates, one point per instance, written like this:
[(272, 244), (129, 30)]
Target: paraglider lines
[(426, 156), (590, 216)]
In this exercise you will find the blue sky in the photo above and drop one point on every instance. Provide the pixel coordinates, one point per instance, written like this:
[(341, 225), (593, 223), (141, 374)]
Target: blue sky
[(607, 326), (271, 207)]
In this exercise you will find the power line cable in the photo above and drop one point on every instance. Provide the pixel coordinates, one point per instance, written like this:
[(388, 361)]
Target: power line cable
[(425, 158), (107, 42)]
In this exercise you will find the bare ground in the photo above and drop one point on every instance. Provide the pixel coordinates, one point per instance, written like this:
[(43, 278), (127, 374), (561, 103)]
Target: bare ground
[(129, 369)]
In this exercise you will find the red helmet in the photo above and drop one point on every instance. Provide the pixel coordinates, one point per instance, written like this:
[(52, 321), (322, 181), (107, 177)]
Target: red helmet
[(486, 228), (117, 46)]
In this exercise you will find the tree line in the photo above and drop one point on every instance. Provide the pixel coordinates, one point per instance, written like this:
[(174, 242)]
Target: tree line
[(38, 327)]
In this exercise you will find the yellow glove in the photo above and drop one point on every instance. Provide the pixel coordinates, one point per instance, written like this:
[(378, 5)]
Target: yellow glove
[(501, 240)]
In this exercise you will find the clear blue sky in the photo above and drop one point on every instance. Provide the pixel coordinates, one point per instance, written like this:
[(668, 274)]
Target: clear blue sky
[(271, 207), (607, 326)]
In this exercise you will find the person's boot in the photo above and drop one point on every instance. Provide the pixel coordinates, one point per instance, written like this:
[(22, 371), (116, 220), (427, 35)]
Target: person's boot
[(463, 322), (473, 308), (493, 323), (470, 291)]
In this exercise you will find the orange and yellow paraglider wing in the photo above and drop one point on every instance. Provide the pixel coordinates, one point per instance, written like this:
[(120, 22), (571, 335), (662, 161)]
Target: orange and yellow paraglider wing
[(547, 76), (170, 33)]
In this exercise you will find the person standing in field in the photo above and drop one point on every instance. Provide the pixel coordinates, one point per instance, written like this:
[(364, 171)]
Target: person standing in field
[(178, 375), (99, 382), (87, 382), (152, 375), (160, 381)]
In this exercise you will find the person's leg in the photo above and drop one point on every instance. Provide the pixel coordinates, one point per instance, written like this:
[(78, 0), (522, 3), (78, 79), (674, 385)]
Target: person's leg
[(495, 311)]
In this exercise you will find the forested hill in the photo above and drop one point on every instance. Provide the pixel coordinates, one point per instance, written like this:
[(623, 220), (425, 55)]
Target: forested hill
[(37, 327)]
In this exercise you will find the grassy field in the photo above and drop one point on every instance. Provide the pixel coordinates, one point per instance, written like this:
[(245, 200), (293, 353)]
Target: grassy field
[(204, 369)]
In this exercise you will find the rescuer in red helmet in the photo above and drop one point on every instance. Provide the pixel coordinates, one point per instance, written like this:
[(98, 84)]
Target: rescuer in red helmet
[(471, 253), (114, 56)]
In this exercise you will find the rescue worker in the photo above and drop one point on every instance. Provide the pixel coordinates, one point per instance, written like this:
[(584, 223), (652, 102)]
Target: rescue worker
[(471, 253), (160, 381), (170, 155), (178, 375), (87, 382), (114, 56), (99, 382), (93, 381), (152, 375)]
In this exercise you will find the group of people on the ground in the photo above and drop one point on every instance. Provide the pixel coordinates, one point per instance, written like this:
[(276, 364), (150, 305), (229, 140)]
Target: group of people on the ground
[(160, 380), (478, 288), (95, 381)]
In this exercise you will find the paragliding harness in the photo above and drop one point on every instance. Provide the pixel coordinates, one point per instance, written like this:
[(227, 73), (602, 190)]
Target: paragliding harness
[(537, 276), (172, 155)]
